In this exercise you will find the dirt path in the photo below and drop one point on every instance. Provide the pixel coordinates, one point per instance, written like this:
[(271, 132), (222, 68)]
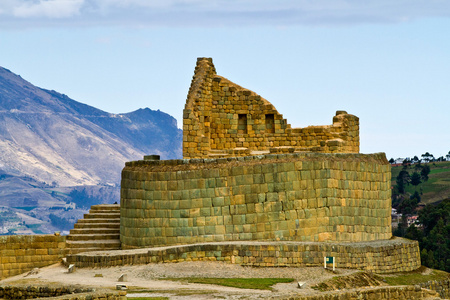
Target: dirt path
[(149, 278)]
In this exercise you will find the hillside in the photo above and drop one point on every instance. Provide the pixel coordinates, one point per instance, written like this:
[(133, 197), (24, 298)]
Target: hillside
[(51, 144), (436, 188)]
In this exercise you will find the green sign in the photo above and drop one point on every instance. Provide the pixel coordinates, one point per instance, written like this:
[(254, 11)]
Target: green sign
[(329, 259)]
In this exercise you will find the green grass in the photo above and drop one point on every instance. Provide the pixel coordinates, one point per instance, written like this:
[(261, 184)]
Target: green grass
[(416, 277), (437, 188), (242, 283)]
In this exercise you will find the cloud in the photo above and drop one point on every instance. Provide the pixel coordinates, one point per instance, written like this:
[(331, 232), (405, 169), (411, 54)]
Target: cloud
[(41, 8), (218, 12)]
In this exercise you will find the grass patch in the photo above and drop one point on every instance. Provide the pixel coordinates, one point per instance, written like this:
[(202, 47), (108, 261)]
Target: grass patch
[(355, 280), (436, 188), (242, 283), (416, 277)]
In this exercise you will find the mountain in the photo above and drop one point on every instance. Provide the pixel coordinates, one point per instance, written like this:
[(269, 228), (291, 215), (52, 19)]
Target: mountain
[(49, 137), (51, 145)]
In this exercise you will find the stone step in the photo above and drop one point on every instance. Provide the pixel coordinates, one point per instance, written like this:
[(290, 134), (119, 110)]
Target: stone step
[(104, 212), (115, 220), (98, 230), (106, 207), (96, 215), (217, 155), (98, 244), (93, 237), (81, 250), (115, 225), (217, 151), (95, 230)]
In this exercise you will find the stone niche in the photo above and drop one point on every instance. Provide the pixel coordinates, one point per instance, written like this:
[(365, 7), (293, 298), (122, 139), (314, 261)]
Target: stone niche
[(315, 197)]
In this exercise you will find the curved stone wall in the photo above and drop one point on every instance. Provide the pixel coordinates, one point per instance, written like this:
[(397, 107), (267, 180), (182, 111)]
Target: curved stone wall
[(288, 197), (386, 256)]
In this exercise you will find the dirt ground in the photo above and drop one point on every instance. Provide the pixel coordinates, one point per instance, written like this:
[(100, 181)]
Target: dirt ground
[(148, 280)]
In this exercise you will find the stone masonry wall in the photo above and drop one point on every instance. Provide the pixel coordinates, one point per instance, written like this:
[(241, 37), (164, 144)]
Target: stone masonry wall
[(54, 292), (442, 287), (223, 119), (287, 197), (378, 293), (394, 255), (22, 253)]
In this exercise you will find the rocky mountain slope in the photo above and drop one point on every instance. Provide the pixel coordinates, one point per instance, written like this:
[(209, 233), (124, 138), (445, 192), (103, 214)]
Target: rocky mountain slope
[(58, 143)]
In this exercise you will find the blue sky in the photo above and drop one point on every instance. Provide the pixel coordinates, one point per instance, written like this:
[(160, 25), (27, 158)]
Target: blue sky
[(388, 62)]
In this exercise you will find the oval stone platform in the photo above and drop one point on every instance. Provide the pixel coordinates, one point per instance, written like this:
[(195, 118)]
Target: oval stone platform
[(382, 256)]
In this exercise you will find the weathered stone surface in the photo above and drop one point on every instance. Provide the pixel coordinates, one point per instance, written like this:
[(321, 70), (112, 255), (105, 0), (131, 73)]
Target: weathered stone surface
[(22, 253), (58, 292), (222, 119), (291, 197), (387, 256)]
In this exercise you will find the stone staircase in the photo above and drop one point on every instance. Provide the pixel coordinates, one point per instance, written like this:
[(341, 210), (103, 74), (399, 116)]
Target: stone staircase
[(98, 231)]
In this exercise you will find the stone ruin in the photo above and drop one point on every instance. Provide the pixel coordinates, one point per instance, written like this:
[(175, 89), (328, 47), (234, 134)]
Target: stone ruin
[(248, 176), (250, 190), (222, 119)]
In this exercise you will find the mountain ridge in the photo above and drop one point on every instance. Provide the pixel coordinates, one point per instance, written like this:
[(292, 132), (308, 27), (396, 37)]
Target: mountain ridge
[(35, 122), (52, 145)]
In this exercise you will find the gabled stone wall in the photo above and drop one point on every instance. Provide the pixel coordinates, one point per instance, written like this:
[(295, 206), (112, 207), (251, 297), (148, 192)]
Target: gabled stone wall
[(222, 119), (291, 197)]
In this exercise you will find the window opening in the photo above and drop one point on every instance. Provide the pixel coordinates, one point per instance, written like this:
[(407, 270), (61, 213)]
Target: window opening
[(242, 123), (270, 123)]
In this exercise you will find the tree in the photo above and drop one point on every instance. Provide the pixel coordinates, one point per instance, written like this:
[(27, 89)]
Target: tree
[(435, 220), (424, 172), (402, 180), (408, 205), (430, 260), (427, 157), (416, 159), (391, 161), (413, 233), (448, 155), (415, 179), (401, 228)]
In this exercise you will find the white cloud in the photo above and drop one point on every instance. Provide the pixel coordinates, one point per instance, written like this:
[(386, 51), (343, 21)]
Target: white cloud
[(219, 12), (46, 8)]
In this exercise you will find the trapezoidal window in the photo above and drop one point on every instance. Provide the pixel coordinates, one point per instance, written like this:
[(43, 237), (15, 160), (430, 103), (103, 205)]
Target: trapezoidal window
[(242, 123), (270, 123)]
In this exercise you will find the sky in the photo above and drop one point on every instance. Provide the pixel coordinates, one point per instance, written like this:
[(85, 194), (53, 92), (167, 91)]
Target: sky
[(385, 61)]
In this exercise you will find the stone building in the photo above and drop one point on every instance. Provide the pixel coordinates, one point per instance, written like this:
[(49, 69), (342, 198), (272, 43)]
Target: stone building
[(222, 119), (247, 175), (250, 190)]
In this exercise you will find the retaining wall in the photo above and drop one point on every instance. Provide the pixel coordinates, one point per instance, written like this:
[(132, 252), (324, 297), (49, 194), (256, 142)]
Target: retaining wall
[(58, 292), (297, 197), (22, 253), (396, 255), (442, 287), (378, 293)]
